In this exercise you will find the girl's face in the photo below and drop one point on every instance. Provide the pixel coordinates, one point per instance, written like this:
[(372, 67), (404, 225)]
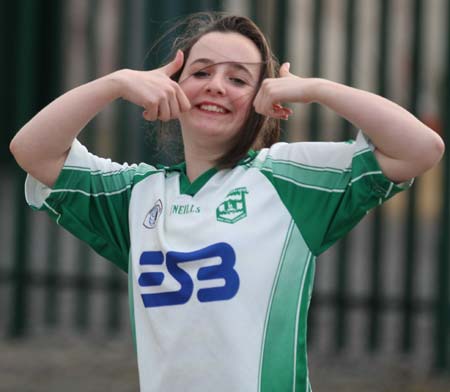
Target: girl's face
[(220, 80)]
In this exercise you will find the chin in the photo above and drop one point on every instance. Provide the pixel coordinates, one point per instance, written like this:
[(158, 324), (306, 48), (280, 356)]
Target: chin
[(217, 135), (210, 131)]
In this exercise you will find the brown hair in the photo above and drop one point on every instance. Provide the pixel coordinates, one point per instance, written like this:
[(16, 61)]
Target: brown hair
[(258, 131)]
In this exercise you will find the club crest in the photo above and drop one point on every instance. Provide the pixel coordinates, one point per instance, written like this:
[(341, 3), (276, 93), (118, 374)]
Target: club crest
[(234, 208), (153, 215)]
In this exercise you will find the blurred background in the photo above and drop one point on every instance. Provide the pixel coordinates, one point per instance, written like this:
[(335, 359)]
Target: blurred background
[(380, 314)]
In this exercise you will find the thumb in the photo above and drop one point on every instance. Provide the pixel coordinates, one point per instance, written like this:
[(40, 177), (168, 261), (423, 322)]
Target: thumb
[(175, 65), (284, 70)]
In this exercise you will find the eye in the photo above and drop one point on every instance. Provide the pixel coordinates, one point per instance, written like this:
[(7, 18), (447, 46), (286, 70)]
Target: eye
[(238, 81), (200, 74)]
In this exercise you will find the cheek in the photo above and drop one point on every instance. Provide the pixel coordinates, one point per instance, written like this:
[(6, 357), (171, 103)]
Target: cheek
[(191, 87), (189, 90), (244, 102)]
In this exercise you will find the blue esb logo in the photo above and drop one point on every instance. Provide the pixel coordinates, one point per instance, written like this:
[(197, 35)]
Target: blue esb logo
[(174, 260)]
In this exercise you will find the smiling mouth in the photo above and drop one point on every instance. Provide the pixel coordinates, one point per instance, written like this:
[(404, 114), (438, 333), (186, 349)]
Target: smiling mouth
[(212, 108)]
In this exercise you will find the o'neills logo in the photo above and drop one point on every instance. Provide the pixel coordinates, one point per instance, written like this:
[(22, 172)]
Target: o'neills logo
[(152, 217), (234, 208)]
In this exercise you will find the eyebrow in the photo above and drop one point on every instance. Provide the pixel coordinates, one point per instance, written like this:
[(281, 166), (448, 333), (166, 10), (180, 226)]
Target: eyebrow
[(234, 64)]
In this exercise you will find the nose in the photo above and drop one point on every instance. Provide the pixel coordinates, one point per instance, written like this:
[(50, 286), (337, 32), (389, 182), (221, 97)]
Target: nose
[(215, 85)]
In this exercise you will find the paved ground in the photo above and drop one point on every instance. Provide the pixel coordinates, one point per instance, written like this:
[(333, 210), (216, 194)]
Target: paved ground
[(70, 364)]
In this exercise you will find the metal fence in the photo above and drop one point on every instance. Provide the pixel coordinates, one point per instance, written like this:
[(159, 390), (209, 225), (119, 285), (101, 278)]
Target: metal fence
[(384, 288)]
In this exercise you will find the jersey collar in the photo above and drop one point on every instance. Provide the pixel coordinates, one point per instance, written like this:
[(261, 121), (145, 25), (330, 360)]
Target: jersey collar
[(188, 188)]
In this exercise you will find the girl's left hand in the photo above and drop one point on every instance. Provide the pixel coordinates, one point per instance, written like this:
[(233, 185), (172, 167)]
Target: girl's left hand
[(275, 91)]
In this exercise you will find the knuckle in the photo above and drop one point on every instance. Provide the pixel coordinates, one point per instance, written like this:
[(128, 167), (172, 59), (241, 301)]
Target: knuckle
[(148, 103), (171, 93), (165, 95)]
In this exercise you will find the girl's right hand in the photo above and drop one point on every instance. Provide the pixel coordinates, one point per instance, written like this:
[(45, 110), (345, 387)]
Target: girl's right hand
[(160, 96)]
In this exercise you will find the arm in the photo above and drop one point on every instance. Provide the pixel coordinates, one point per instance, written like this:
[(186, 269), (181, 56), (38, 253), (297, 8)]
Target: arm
[(43, 144), (405, 147)]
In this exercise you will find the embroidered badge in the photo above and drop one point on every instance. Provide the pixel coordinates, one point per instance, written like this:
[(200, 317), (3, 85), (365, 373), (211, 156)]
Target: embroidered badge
[(234, 208), (152, 217)]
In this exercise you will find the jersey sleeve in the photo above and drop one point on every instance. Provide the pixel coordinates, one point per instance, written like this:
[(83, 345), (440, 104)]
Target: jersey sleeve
[(327, 187), (91, 200)]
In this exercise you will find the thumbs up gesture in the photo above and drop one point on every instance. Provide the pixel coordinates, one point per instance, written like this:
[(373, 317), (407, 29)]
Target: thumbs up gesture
[(288, 88), (161, 97)]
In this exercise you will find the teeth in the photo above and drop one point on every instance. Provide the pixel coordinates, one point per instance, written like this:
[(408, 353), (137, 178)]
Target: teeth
[(212, 108)]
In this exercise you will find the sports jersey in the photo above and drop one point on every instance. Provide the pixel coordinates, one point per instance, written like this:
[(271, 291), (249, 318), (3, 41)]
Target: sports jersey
[(220, 270)]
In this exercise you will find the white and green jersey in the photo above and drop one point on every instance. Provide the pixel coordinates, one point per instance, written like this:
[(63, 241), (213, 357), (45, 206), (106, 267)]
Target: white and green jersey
[(220, 270)]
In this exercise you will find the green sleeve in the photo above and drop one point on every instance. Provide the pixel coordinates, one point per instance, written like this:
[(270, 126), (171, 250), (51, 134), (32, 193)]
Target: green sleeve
[(327, 187), (91, 200)]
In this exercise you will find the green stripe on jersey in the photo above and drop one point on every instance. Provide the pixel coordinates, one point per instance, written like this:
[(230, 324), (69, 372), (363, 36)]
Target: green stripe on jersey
[(94, 207), (326, 204), (325, 179), (131, 302), (284, 359), (302, 379), (98, 183)]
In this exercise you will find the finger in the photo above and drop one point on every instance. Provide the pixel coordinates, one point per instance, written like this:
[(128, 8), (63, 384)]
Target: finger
[(282, 109), (174, 108), (151, 113), (175, 65), (183, 100), (284, 70), (145, 115), (171, 102), (257, 102), (164, 111), (280, 115), (265, 108), (264, 100)]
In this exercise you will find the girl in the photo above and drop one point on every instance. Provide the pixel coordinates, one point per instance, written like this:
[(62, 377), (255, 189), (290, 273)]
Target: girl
[(220, 249)]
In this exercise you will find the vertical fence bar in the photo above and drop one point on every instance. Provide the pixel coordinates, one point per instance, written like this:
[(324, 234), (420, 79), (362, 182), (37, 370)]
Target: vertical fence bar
[(50, 75), (314, 124), (52, 296), (8, 47), (154, 18), (442, 293), (217, 5), (262, 13), (113, 290), (376, 289), (280, 35), (25, 90), (121, 130), (199, 5), (114, 278), (253, 11), (342, 247), (316, 58), (410, 262), (82, 309), (281, 41), (83, 275)]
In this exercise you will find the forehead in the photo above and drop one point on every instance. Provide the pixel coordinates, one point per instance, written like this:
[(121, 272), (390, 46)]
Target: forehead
[(221, 47)]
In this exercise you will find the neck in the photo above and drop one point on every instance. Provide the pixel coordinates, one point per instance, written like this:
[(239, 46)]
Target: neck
[(201, 152), (199, 161)]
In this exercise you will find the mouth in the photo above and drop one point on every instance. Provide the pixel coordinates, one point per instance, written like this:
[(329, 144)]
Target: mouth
[(210, 107)]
